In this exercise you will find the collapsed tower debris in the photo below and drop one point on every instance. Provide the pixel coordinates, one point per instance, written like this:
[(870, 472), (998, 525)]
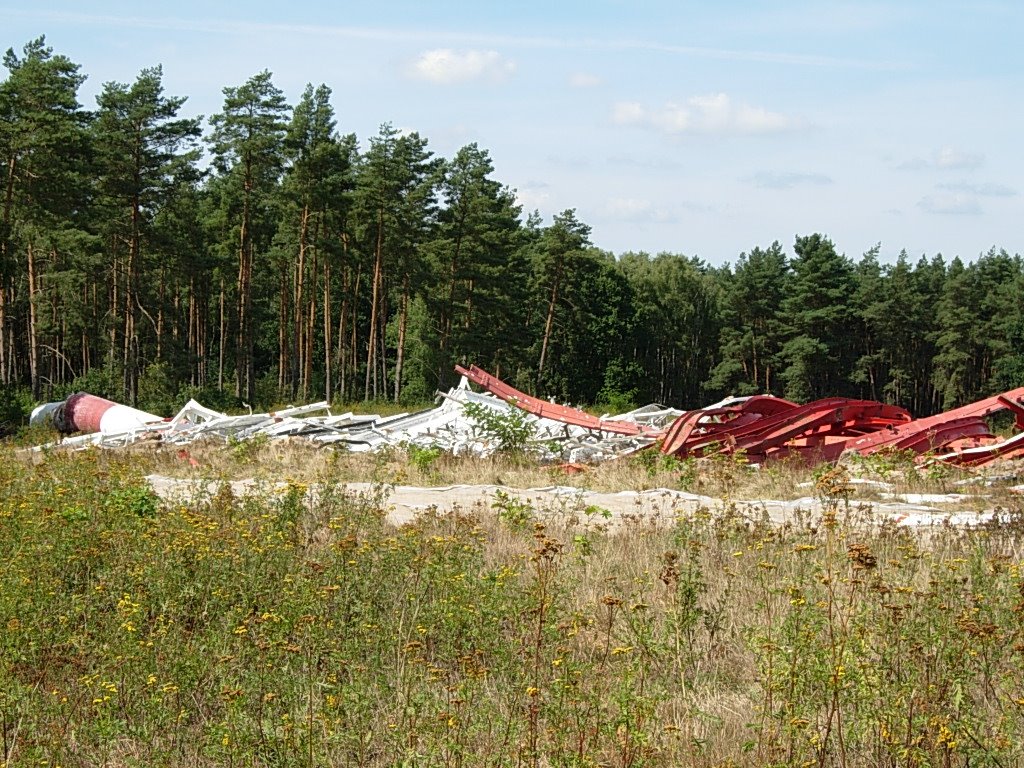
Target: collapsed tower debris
[(762, 428), (448, 426), (83, 412)]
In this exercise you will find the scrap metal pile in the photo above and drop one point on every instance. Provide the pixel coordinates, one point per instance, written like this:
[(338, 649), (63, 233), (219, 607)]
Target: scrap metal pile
[(448, 427), (765, 428), (822, 431), (761, 428)]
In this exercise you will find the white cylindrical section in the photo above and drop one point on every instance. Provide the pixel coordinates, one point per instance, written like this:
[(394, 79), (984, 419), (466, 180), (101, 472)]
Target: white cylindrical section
[(122, 418)]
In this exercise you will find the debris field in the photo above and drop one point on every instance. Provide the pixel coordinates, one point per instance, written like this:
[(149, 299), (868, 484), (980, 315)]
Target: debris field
[(760, 428)]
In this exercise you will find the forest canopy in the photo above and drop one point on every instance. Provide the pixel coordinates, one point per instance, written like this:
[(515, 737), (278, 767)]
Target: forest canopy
[(264, 254)]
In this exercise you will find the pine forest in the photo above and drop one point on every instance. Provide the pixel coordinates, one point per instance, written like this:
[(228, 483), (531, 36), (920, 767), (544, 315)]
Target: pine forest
[(263, 255)]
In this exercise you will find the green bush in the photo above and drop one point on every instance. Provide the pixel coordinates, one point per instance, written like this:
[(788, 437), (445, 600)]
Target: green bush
[(508, 430), (157, 391), (15, 408)]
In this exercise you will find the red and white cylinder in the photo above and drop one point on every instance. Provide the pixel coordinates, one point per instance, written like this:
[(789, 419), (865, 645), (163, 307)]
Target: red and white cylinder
[(83, 412)]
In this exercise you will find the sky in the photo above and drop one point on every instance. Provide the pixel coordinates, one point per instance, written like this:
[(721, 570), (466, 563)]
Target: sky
[(690, 127)]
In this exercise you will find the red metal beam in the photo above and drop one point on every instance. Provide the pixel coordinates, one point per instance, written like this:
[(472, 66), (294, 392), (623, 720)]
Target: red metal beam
[(767, 427), (802, 426), (980, 455), (544, 409), (930, 433), (711, 423)]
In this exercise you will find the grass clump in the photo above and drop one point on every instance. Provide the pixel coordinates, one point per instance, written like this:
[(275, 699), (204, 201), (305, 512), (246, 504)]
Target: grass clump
[(298, 628)]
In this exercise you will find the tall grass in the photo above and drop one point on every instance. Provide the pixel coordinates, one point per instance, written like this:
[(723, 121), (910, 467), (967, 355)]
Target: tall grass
[(284, 628)]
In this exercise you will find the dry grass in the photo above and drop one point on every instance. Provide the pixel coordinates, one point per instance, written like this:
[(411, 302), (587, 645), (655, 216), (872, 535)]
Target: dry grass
[(275, 630), (724, 477)]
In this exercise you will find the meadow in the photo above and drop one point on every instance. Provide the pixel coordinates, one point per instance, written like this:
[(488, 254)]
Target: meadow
[(283, 628)]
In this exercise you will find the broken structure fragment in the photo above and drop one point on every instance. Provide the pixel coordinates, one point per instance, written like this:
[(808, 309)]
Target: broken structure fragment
[(448, 426), (83, 412), (761, 428), (544, 409), (765, 428), (769, 428)]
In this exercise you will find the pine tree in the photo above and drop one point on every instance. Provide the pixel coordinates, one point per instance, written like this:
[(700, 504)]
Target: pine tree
[(143, 151), (478, 272), (395, 203), (560, 248), (44, 178), (315, 205), (819, 351), (752, 324), (248, 151)]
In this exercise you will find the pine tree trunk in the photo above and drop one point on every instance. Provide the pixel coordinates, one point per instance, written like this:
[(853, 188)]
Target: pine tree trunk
[(353, 339), (548, 325), (192, 339), (161, 292), (346, 348), (342, 357), (202, 301), (448, 308), (223, 341), (283, 312), (114, 305), (6, 353), (5, 377), (130, 358), (400, 354), (33, 342), (371, 352), (299, 310), (382, 326), (240, 318), (308, 333), (327, 329), (245, 386)]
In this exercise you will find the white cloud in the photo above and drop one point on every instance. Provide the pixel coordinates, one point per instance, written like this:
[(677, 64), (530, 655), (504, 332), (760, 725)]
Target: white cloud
[(952, 158), (584, 80), (950, 204), (631, 209), (709, 114), (982, 190), (945, 159), (444, 66), (533, 196), (628, 112), (788, 179)]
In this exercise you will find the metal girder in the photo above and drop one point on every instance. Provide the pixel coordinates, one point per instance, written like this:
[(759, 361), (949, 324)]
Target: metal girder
[(544, 409), (979, 455), (801, 427), (767, 428), (935, 432)]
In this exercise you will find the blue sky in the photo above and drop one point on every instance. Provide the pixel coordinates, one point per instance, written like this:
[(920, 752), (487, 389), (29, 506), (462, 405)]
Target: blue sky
[(691, 127)]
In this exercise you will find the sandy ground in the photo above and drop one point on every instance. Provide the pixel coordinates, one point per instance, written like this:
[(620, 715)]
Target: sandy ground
[(661, 505)]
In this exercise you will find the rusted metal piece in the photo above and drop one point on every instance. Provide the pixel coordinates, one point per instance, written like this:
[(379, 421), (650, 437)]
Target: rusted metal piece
[(816, 430), (544, 409), (934, 433), (820, 432), (825, 429), (980, 455), (765, 428), (716, 420)]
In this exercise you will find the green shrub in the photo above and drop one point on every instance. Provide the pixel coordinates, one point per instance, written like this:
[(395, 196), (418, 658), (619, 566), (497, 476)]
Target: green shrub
[(508, 430), (15, 408)]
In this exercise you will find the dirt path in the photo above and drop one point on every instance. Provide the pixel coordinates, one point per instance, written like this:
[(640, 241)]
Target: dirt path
[(404, 502)]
